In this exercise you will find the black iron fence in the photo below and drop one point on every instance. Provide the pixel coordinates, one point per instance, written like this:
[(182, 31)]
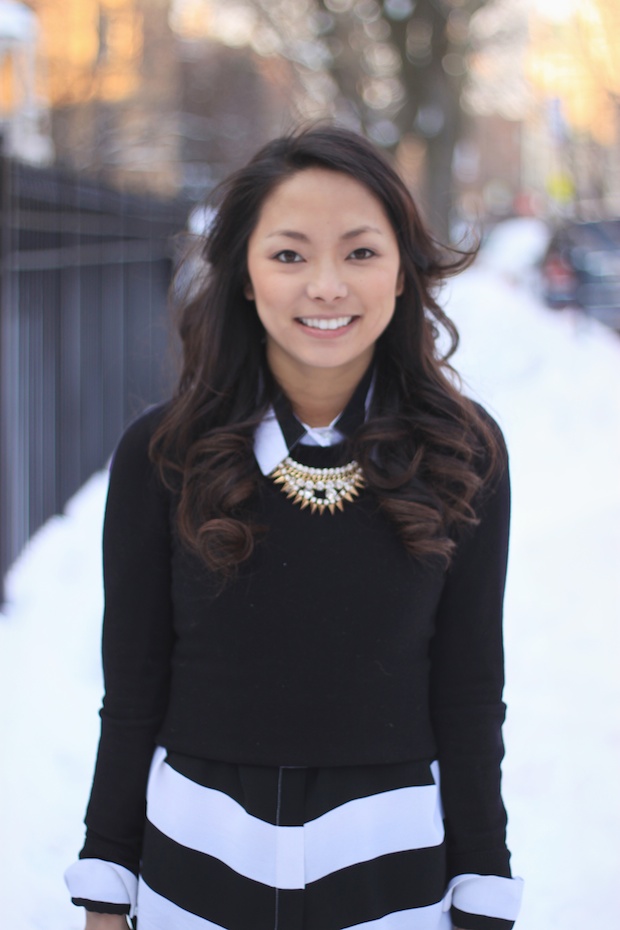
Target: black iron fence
[(84, 333)]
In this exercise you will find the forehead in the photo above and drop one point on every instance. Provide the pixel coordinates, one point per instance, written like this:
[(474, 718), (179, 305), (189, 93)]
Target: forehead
[(320, 196)]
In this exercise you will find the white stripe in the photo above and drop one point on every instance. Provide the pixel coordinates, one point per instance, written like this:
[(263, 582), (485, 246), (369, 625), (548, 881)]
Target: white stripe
[(289, 861), (361, 830), (98, 880), (419, 918), (487, 895), (211, 822), (435, 772), (158, 913)]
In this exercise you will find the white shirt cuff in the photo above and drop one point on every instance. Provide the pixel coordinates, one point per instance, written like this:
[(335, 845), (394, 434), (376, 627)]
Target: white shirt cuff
[(485, 895), (101, 881)]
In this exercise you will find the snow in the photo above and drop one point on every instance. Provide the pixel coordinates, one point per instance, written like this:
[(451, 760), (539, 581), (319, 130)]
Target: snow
[(514, 246), (553, 382)]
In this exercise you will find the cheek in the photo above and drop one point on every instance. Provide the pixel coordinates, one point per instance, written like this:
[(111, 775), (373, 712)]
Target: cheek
[(386, 288), (271, 306), (259, 281), (255, 278), (273, 293)]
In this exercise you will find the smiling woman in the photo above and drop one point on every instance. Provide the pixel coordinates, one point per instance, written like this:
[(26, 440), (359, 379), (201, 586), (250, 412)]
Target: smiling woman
[(306, 687), (325, 302)]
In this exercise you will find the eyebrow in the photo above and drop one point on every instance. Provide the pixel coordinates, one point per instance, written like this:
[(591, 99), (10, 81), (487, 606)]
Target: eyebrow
[(301, 237)]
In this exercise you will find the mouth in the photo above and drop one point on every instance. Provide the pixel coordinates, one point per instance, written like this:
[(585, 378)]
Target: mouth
[(323, 323)]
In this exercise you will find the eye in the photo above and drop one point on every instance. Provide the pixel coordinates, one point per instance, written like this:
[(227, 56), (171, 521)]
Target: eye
[(288, 257), (362, 253)]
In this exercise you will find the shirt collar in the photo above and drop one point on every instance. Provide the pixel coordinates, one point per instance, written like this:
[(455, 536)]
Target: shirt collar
[(280, 431)]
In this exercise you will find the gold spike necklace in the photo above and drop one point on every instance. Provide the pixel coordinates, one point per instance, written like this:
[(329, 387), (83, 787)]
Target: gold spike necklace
[(319, 488)]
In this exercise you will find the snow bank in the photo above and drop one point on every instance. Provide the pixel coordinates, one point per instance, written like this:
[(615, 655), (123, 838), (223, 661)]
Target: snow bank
[(515, 246), (553, 382), (50, 692)]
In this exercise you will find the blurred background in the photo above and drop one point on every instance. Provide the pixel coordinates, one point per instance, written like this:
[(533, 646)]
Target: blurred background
[(117, 118)]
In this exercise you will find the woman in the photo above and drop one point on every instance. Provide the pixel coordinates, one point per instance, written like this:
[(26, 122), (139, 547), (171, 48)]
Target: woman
[(304, 560)]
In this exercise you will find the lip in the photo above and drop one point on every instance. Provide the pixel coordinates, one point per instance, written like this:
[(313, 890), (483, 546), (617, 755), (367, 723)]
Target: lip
[(317, 333)]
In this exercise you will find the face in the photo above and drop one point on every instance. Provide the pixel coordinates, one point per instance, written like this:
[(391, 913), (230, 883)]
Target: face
[(324, 269)]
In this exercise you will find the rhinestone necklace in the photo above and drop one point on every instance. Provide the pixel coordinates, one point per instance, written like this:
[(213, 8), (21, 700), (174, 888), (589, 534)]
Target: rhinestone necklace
[(319, 488)]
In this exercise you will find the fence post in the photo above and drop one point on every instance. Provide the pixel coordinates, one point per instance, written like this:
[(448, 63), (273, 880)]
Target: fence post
[(8, 370), (83, 274)]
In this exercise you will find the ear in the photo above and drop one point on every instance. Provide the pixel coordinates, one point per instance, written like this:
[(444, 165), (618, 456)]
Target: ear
[(400, 283), (248, 291)]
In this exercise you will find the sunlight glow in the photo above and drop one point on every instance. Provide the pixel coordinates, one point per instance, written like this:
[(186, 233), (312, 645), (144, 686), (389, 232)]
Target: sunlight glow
[(557, 10)]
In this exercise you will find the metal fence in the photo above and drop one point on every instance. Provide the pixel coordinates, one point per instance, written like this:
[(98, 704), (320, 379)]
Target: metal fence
[(84, 334)]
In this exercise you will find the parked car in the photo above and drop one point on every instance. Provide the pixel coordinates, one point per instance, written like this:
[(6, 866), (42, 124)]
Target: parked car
[(581, 268)]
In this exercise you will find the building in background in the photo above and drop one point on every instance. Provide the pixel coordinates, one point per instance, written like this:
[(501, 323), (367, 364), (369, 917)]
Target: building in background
[(24, 113), (574, 69), (544, 104), (135, 102), (168, 95)]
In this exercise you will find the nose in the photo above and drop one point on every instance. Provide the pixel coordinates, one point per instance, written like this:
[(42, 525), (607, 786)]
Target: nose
[(326, 285)]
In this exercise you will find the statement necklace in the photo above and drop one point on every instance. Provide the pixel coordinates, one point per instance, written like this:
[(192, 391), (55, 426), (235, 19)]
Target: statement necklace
[(319, 488)]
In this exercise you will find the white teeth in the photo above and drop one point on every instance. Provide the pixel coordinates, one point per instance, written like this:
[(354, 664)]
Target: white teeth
[(336, 323)]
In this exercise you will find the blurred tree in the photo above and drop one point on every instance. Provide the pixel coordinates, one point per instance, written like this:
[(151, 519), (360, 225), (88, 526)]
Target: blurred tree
[(144, 96), (393, 69), (411, 63), (228, 104)]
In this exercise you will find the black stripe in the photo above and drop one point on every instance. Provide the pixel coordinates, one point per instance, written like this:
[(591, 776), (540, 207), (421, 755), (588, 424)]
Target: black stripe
[(205, 886), (101, 907), (330, 787), (478, 922), (291, 797), (255, 787), (370, 890), (366, 891), (290, 910)]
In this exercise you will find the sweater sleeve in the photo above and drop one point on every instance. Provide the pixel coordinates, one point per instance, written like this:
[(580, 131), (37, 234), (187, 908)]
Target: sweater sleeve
[(137, 644), (467, 679)]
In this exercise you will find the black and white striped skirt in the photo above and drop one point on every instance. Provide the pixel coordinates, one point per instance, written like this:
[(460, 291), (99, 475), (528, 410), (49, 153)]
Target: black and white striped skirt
[(244, 847)]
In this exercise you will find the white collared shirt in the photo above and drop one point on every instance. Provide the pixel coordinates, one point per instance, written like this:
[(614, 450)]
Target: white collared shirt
[(270, 446)]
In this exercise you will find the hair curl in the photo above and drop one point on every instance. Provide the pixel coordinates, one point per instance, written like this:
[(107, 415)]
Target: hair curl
[(426, 450)]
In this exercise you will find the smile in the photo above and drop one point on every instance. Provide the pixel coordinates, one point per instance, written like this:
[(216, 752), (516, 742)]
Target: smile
[(338, 322)]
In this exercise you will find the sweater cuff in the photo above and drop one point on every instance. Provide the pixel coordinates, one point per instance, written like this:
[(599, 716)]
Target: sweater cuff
[(483, 902), (102, 886)]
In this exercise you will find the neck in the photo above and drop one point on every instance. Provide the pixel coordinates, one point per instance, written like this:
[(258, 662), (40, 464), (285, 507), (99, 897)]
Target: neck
[(316, 410), (318, 396)]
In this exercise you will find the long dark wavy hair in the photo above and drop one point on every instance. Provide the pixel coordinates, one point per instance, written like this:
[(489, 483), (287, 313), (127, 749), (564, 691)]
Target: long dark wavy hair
[(426, 450)]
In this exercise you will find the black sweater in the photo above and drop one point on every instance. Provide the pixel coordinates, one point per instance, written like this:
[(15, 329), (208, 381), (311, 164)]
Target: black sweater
[(332, 647)]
